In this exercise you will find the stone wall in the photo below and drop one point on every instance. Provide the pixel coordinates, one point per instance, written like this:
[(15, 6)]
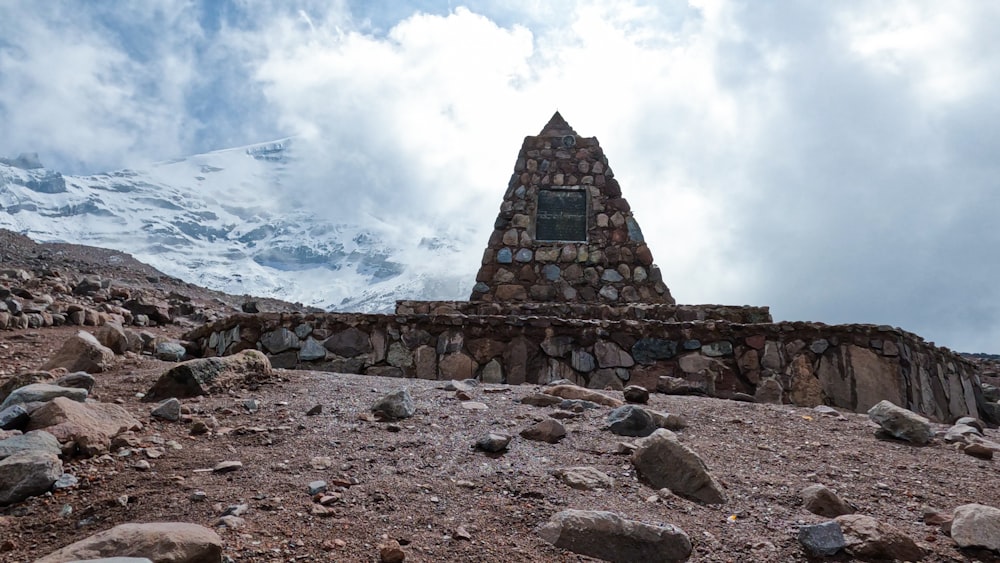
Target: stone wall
[(606, 261), (633, 311), (847, 366)]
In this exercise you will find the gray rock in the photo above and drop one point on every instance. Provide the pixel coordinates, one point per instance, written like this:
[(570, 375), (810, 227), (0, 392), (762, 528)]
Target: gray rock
[(396, 405), (279, 340), (636, 394), (648, 350), (549, 430), (169, 351), (607, 536), (160, 541), (316, 487), (976, 525), (973, 422), (669, 385), (820, 500), (65, 481), (13, 417), (113, 336), (493, 442), (206, 375), (631, 420), (349, 343), (36, 440), (663, 462), (27, 474), (610, 355), (79, 380), (869, 538), (42, 393), (169, 409), (901, 423), (717, 349), (312, 350), (582, 361), (584, 478), (822, 540)]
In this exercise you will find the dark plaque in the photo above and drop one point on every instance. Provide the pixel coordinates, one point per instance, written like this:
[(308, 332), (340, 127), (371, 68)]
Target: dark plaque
[(562, 216)]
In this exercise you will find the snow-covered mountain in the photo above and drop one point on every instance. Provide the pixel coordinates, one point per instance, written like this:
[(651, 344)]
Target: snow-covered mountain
[(227, 220)]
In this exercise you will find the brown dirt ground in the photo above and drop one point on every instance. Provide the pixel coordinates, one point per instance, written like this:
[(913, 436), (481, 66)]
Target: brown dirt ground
[(419, 480)]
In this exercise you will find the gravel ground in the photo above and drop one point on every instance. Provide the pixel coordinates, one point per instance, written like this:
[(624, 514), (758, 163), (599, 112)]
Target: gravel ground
[(420, 482)]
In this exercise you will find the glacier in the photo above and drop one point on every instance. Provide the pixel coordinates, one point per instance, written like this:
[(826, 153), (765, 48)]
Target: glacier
[(224, 220)]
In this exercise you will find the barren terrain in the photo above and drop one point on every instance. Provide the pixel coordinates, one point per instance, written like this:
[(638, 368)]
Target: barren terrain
[(421, 482)]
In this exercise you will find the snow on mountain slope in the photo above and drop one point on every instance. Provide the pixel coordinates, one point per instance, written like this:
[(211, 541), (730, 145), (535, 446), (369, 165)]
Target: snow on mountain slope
[(224, 220)]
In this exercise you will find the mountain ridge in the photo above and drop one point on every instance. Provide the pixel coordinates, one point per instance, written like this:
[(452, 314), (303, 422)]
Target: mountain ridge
[(226, 220)]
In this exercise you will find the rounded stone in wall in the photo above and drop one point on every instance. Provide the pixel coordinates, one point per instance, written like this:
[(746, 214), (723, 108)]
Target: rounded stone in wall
[(611, 276), (551, 272), (609, 292), (524, 255), (505, 256), (629, 294), (639, 274)]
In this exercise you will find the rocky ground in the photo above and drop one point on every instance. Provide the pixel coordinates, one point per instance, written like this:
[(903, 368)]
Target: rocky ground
[(421, 482)]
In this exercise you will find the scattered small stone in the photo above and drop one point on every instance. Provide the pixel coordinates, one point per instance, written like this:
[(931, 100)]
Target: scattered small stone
[(549, 430), (230, 521), (227, 466), (493, 442), (169, 409), (316, 410), (474, 406), (198, 428), (631, 420), (979, 450), (395, 405), (391, 552), (462, 534), (321, 462), (317, 487), (198, 496), (141, 465), (65, 481), (577, 405), (463, 396), (828, 411), (820, 500), (584, 478), (822, 540), (636, 394), (251, 405)]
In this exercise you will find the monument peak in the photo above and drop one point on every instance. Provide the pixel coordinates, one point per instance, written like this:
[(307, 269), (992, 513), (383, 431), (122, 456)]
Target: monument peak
[(564, 232)]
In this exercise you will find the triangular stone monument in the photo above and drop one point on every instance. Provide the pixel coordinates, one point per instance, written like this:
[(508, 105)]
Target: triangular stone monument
[(564, 232)]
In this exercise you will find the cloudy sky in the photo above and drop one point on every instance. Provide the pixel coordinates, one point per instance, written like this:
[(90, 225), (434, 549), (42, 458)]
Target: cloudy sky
[(838, 161)]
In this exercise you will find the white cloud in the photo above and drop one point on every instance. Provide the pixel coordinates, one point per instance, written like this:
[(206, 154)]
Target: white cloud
[(834, 160)]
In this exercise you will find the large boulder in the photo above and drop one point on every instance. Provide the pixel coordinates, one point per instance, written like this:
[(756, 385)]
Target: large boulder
[(210, 375), (607, 536), (976, 525), (82, 352), (901, 423), (42, 393), (631, 420), (663, 462), (27, 474), (90, 425), (163, 542)]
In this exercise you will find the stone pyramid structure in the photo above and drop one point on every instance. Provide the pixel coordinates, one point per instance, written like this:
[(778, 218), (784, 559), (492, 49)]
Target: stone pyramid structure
[(564, 232)]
